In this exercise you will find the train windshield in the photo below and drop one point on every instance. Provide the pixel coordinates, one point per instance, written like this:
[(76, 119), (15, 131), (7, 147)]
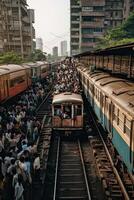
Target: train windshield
[(77, 110), (67, 111)]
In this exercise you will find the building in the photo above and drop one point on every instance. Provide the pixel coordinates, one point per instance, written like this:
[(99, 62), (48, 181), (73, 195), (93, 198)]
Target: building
[(64, 48), (92, 23), (55, 52), (113, 13), (39, 44), (17, 31), (90, 19), (3, 21), (128, 7), (74, 26)]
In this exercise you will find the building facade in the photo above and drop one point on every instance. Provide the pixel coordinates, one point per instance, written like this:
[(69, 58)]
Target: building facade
[(64, 48), (39, 44), (17, 27), (55, 52), (90, 19), (74, 26)]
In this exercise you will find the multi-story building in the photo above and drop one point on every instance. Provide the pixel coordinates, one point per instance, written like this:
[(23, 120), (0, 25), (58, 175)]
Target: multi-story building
[(75, 26), (92, 23), (55, 52), (39, 44), (18, 27), (3, 21), (128, 7), (64, 48), (90, 19), (113, 13)]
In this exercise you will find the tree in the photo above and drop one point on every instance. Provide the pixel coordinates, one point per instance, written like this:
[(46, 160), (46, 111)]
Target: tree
[(10, 57), (120, 35), (38, 55)]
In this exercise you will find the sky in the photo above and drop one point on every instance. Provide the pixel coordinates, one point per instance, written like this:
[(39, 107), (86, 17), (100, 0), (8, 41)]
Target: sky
[(52, 21)]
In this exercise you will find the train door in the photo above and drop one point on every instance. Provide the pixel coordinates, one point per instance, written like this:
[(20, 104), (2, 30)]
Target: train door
[(5, 87), (107, 114)]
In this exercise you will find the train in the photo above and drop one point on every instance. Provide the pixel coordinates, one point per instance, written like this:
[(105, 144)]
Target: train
[(14, 79), (118, 60), (67, 112), (112, 100)]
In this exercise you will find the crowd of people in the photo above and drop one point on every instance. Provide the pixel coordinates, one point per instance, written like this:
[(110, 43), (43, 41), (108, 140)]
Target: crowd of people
[(19, 132), (67, 77)]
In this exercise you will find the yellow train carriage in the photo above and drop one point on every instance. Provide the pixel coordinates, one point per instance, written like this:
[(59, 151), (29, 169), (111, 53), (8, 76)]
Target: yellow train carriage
[(67, 112)]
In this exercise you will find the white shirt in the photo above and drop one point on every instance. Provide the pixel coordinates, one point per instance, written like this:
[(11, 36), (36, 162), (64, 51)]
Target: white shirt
[(36, 164)]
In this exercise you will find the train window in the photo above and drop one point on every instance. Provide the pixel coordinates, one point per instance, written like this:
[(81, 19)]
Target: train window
[(115, 114), (17, 80), (121, 121), (127, 126), (57, 110), (67, 111), (77, 110)]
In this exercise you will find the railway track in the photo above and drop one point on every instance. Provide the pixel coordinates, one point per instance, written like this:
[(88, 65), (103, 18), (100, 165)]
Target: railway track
[(43, 144), (70, 178), (117, 185)]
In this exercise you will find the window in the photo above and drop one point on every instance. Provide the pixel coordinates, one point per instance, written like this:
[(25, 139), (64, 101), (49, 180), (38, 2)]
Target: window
[(127, 126), (121, 121), (86, 40), (77, 110), (87, 18), (67, 111), (98, 8), (74, 25), (87, 8), (17, 80), (57, 110)]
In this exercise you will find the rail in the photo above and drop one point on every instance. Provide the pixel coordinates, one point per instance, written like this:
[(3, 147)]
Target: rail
[(56, 171), (126, 196), (70, 150), (84, 171)]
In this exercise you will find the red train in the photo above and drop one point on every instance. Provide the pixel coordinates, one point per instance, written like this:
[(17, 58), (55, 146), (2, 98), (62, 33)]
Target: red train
[(17, 78)]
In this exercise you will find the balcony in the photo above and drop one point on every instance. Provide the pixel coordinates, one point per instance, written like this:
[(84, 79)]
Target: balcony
[(74, 29), (89, 44), (92, 24), (93, 35), (100, 14)]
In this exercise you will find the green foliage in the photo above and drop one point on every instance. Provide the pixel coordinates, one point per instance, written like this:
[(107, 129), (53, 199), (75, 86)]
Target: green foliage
[(9, 58), (120, 35), (38, 55)]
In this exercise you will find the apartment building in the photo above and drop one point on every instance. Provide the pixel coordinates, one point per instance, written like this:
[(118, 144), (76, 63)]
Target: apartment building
[(92, 23), (17, 28), (90, 19), (63, 46), (39, 44), (113, 13), (75, 26), (128, 7)]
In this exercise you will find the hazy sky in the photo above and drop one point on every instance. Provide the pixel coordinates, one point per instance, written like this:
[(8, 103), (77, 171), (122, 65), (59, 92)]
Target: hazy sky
[(52, 21)]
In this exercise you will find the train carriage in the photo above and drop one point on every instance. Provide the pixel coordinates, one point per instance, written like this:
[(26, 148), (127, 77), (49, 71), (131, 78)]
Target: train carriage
[(67, 112), (112, 99), (13, 80)]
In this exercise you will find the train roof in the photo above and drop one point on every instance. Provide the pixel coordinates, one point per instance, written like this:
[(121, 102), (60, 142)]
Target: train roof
[(5, 69), (67, 97), (119, 90), (35, 64)]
